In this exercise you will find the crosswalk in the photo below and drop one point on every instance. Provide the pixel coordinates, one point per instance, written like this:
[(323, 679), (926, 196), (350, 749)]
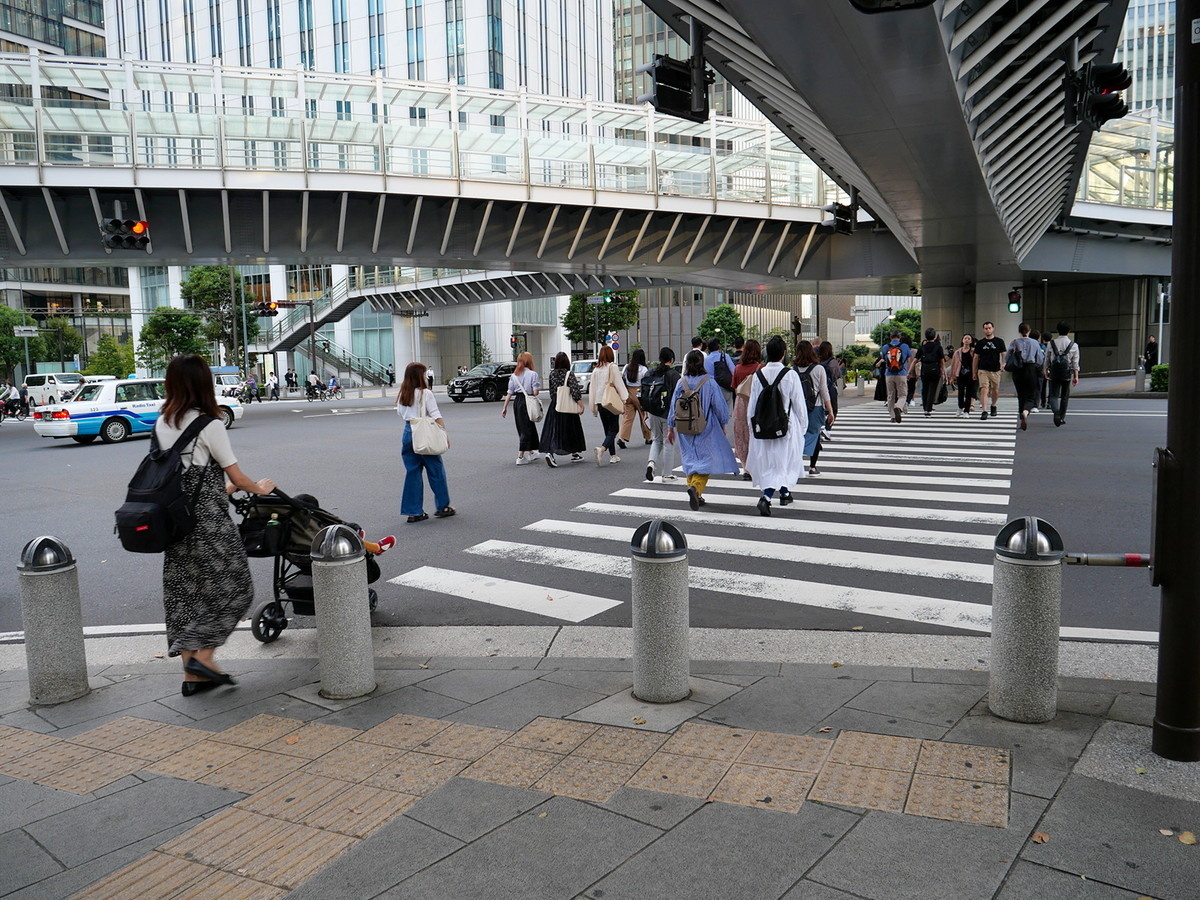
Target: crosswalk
[(899, 525)]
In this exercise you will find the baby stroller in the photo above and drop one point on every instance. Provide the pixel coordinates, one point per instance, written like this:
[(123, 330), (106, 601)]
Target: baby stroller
[(283, 527)]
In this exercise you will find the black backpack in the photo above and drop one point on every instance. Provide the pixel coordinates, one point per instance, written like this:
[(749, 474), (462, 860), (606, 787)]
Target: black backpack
[(932, 353), (810, 390), (771, 415), (157, 511), (1060, 364), (653, 394), (722, 374)]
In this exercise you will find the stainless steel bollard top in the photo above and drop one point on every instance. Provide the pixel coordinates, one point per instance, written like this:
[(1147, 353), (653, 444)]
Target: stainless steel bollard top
[(45, 554), (1030, 541), (337, 543), (658, 541)]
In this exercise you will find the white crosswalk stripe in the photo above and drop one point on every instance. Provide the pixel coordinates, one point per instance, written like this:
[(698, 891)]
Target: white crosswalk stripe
[(555, 603)]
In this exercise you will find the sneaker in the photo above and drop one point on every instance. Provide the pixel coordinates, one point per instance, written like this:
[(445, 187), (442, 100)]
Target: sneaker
[(614, 459), (599, 451), (576, 457), (621, 445), (994, 413), (667, 479), (551, 461), (826, 435), (650, 471), (1058, 422), (897, 415), (694, 498), (983, 416), (521, 460), (1035, 409)]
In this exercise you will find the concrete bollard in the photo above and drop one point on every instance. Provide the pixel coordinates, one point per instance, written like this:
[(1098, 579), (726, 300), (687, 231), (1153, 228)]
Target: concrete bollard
[(339, 573), (52, 617), (661, 661), (1026, 614)]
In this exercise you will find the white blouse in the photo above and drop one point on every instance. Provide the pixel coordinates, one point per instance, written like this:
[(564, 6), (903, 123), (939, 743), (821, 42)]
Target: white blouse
[(423, 404), (213, 442)]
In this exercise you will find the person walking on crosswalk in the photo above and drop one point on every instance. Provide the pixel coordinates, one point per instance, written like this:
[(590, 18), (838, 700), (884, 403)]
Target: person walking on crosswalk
[(1025, 359), (523, 382), (895, 362), (776, 460), (748, 363), (657, 389), (708, 452), (814, 384), (1061, 371), (961, 374)]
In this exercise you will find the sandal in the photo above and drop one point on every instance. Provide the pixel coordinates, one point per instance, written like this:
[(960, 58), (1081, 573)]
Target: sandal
[(421, 518), (445, 512)]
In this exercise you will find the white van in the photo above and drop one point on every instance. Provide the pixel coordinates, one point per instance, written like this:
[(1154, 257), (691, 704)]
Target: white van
[(51, 387)]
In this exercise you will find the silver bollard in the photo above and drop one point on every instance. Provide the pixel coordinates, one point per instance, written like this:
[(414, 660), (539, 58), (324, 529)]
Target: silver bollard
[(1026, 614), (52, 617), (660, 613), (339, 573)]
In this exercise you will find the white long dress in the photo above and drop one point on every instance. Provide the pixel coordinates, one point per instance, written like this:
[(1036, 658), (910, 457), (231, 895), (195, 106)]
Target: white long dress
[(780, 462)]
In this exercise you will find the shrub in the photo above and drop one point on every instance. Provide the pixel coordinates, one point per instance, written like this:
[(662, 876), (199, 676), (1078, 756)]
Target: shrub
[(1159, 377)]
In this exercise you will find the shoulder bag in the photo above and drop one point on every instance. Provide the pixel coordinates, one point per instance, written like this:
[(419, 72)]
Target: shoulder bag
[(533, 407), (428, 437), (612, 399), (564, 403)]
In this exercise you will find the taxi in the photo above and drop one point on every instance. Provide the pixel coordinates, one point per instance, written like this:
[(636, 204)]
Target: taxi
[(113, 411)]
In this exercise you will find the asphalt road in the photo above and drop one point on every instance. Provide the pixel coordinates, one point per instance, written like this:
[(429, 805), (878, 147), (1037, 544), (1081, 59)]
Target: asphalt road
[(1091, 479)]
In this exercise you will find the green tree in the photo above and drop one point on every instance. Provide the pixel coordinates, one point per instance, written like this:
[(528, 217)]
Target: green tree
[(63, 339), (722, 322), (854, 351), (111, 358), (907, 320), (167, 333), (619, 311), (12, 348), (207, 291)]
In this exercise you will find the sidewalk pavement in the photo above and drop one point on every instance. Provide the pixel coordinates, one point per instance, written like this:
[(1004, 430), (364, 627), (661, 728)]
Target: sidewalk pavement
[(514, 762)]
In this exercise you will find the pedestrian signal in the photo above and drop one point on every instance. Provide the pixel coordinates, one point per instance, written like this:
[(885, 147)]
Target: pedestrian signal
[(843, 218)]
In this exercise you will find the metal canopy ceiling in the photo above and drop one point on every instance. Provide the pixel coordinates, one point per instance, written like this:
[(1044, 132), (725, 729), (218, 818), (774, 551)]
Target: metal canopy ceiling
[(948, 119)]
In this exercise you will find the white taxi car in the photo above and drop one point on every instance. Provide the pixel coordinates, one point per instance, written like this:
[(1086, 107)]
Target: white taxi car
[(114, 410)]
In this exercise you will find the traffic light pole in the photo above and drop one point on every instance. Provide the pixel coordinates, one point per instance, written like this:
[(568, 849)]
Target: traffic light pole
[(1176, 730)]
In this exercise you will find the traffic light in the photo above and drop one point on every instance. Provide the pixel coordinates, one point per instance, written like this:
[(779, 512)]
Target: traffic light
[(269, 308), (843, 218), (512, 342), (125, 234), (677, 88), (1093, 94), (1014, 301)]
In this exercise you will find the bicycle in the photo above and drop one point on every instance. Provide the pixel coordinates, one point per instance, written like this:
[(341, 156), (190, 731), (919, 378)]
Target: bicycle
[(335, 394), (14, 409)]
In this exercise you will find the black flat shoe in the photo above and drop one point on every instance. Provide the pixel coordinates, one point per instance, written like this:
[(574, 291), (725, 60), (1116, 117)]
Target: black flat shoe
[(622, 445), (196, 687), (198, 668), (693, 498), (421, 518), (785, 497), (764, 506)]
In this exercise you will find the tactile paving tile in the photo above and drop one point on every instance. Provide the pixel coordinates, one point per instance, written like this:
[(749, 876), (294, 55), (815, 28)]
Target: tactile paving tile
[(462, 741), (162, 742), (958, 800), (93, 773), (878, 751), (115, 734), (514, 766), (353, 761), (154, 875), (45, 761), (688, 776), (294, 799), (258, 731), (251, 773), (312, 740), (883, 789), (197, 760), (760, 787), (416, 773), (403, 732), (360, 810), (948, 760), (585, 779), (786, 751), (552, 735), (708, 741), (15, 742), (258, 847), (621, 745)]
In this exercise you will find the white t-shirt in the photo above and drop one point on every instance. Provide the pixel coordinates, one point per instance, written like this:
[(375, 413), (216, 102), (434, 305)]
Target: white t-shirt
[(423, 404), (213, 442)]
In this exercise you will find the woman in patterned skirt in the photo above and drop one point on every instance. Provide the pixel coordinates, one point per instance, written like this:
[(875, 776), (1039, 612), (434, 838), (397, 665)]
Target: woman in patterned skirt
[(206, 577)]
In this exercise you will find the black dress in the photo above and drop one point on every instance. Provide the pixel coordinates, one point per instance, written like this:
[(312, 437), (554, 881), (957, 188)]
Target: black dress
[(562, 434)]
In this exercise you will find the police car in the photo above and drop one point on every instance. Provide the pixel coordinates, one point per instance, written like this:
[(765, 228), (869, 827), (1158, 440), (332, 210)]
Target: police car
[(114, 410)]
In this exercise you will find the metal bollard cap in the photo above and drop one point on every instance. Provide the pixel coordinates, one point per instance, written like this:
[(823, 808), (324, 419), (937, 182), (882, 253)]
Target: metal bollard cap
[(336, 543), (658, 541), (1030, 539), (45, 554)]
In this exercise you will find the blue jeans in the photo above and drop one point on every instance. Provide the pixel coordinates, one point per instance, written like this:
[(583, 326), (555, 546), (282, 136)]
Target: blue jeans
[(412, 501)]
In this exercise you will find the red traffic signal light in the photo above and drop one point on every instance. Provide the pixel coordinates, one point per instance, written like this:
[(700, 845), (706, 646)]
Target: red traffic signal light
[(1094, 93), (125, 234), (512, 341)]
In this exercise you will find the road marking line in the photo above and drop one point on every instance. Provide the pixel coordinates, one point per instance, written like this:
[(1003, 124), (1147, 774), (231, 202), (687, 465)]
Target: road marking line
[(852, 509), (903, 469), (859, 435), (936, 449), (802, 526), (883, 492), (926, 610), (874, 478), (948, 462), (820, 556), (551, 602)]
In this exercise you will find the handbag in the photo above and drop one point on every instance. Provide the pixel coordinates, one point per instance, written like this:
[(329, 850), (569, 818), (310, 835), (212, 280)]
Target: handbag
[(941, 394), (612, 399), (880, 389), (428, 437), (533, 407), (564, 403), (1013, 363)]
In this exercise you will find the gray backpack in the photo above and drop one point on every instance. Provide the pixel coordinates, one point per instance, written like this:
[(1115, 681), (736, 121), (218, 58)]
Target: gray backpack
[(689, 409)]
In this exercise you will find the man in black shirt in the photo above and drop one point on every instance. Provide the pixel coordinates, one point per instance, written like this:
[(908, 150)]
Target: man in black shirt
[(1151, 354), (987, 365)]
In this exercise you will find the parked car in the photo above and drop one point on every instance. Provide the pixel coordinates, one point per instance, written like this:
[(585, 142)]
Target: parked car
[(487, 381), (583, 372), (114, 410)]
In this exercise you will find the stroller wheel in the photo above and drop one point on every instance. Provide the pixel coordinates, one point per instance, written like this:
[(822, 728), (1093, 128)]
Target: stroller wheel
[(268, 623), (372, 599)]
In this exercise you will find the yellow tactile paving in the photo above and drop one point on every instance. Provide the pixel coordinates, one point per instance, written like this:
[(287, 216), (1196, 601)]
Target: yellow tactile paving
[(353, 761), (621, 745), (462, 741), (585, 779), (162, 742), (198, 760), (786, 751), (864, 786), (115, 734), (253, 771), (514, 766), (14, 742), (958, 800), (552, 735), (312, 740), (973, 763), (876, 751), (403, 732), (258, 731), (93, 773), (708, 741), (782, 790), (417, 773), (43, 762), (155, 875), (688, 776)]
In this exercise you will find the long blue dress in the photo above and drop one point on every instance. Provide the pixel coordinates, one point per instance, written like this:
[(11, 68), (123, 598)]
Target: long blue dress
[(707, 453)]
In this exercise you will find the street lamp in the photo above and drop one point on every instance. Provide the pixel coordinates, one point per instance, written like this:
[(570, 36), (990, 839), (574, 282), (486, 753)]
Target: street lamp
[(849, 324), (596, 301)]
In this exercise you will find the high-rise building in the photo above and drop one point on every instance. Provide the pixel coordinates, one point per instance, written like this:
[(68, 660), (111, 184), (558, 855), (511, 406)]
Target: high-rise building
[(1147, 50)]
